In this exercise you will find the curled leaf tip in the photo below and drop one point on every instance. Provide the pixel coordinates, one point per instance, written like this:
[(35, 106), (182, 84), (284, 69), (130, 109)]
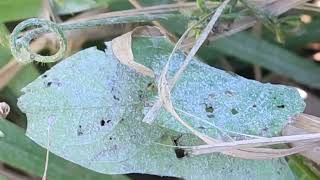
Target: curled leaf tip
[(20, 45)]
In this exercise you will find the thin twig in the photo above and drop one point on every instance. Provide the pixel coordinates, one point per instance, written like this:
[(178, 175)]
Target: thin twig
[(137, 5)]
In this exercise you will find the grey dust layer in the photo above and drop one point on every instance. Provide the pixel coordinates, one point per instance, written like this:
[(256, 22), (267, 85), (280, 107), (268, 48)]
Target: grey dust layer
[(94, 106)]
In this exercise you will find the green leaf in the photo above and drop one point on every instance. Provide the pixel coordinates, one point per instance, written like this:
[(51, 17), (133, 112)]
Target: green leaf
[(308, 34), (274, 58), (301, 170), (94, 106), (19, 151), (74, 6), (4, 36), (202, 5), (11, 10)]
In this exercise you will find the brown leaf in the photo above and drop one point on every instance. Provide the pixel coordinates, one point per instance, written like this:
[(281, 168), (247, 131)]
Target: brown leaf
[(303, 124), (121, 47)]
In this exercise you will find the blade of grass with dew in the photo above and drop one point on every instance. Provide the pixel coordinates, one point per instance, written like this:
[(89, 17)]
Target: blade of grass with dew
[(19, 151)]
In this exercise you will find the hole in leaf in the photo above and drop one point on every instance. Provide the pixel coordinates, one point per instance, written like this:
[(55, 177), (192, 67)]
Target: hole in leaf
[(209, 109), (281, 106), (234, 111), (102, 122), (180, 153)]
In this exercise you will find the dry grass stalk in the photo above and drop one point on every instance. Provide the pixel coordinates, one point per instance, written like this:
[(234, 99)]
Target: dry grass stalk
[(220, 147), (121, 47)]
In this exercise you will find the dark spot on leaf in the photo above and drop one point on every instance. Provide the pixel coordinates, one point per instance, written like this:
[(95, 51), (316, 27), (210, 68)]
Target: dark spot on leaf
[(150, 86), (140, 95), (254, 105), (180, 153), (79, 131), (116, 98), (201, 127), (102, 122), (110, 138), (121, 120), (211, 95), (108, 121), (229, 93), (281, 106), (176, 140), (49, 84), (210, 115), (234, 111), (44, 76)]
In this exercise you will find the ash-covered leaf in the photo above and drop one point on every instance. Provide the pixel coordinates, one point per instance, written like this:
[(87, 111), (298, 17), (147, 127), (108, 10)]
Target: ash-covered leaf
[(94, 108)]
